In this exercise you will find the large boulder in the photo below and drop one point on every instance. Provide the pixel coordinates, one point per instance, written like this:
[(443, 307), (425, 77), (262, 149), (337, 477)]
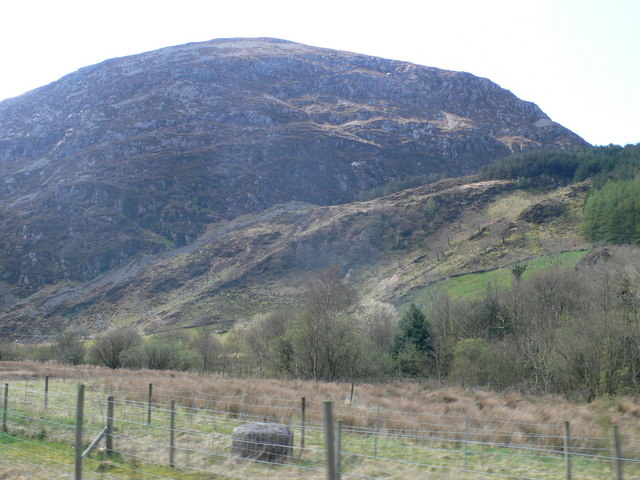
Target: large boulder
[(269, 442)]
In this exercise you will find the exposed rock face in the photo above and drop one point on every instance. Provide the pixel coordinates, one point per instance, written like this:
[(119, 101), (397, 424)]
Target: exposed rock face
[(543, 211), (138, 154)]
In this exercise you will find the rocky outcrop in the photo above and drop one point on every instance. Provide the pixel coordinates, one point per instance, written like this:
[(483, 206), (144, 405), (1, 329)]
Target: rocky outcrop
[(544, 211), (139, 154), (266, 442)]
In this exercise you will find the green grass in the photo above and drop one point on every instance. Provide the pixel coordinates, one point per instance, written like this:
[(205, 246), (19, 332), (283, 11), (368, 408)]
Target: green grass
[(474, 285), (38, 459)]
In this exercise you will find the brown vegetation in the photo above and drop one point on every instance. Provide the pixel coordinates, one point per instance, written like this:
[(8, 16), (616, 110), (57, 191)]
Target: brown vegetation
[(402, 405)]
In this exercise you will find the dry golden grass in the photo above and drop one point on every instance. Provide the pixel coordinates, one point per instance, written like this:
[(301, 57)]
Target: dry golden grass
[(439, 417), (403, 405)]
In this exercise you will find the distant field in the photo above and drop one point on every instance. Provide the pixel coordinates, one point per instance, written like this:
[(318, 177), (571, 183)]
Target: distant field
[(474, 285)]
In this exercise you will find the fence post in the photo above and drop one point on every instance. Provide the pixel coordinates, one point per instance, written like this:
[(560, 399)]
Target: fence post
[(5, 407), (172, 426), (149, 402), (79, 421), (375, 433), (353, 384), (109, 437), (329, 441), (338, 449), (303, 418), (467, 429), (46, 393), (616, 452), (567, 447)]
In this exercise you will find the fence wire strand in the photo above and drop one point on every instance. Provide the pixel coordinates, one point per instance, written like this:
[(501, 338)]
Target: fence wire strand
[(373, 439)]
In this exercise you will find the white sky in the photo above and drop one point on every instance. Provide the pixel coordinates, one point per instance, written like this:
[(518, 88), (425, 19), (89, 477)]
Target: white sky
[(579, 60)]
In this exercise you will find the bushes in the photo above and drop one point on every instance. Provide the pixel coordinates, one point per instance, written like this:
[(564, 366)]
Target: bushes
[(113, 348), (564, 330), (470, 361), (69, 348), (331, 336), (8, 351)]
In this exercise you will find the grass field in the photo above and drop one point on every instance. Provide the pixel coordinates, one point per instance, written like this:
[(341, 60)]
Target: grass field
[(393, 430), (474, 285)]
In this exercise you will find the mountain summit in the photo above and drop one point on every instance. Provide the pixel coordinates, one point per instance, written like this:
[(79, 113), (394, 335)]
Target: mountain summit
[(139, 154)]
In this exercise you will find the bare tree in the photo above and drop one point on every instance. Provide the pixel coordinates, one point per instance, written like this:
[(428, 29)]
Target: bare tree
[(69, 347), (209, 348), (271, 350), (377, 321), (236, 348), (322, 334), (110, 349)]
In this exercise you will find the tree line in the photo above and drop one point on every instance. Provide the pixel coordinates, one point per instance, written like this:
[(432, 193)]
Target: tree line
[(551, 167), (559, 330), (612, 213)]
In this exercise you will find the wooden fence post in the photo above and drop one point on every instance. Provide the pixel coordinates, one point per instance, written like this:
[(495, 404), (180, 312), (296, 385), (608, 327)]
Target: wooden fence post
[(616, 452), (467, 431), (172, 426), (149, 403), (375, 434), (79, 421), (109, 437), (567, 448), (46, 393), (303, 418), (329, 441), (353, 384), (5, 407), (338, 449)]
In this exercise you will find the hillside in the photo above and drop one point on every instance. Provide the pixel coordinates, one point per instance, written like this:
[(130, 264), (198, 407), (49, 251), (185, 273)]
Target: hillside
[(137, 156), (389, 248)]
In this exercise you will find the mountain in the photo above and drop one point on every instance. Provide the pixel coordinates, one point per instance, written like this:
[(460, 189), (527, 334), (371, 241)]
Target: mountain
[(138, 157)]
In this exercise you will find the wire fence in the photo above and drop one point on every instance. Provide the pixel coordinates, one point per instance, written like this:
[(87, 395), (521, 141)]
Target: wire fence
[(155, 433)]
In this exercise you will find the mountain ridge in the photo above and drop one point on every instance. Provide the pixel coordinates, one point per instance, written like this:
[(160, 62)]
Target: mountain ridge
[(141, 154)]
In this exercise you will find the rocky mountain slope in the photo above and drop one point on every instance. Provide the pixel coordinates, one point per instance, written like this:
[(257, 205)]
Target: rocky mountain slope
[(137, 156), (389, 248)]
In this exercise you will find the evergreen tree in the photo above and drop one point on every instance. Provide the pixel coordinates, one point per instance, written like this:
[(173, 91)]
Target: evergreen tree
[(612, 213), (413, 330), (412, 346)]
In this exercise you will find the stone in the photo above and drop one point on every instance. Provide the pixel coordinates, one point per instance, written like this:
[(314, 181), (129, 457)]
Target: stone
[(268, 442)]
